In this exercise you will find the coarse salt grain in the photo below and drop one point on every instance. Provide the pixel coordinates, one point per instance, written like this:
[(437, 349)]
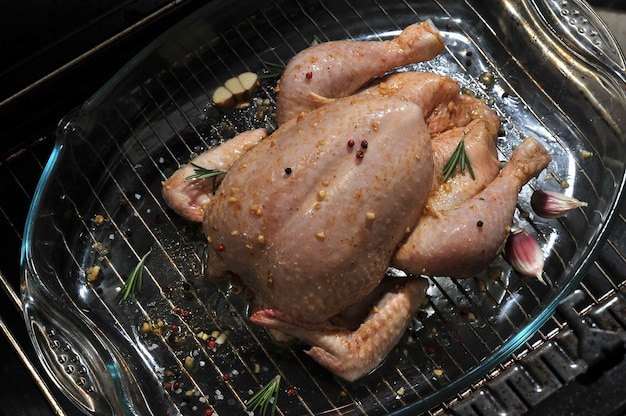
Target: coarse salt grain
[(400, 392)]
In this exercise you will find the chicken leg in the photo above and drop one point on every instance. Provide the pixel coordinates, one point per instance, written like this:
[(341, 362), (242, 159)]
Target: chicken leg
[(462, 241), (353, 354), (336, 69)]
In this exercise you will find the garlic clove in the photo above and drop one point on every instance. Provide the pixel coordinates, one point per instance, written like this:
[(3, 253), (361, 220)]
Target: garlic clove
[(523, 253), (549, 204)]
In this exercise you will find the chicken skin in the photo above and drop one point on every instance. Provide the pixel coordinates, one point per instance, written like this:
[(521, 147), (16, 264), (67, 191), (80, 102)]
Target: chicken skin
[(310, 217)]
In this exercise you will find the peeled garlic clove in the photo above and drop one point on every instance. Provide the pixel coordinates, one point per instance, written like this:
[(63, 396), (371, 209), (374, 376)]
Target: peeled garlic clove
[(548, 204), (523, 253), (234, 86), (250, 82), (223, 98)]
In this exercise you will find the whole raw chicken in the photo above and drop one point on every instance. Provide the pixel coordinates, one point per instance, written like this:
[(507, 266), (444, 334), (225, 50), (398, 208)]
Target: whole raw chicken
[(310, 217)]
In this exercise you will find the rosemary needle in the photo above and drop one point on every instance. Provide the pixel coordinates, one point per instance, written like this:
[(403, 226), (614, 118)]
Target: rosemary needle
[(134, 281), (265, 398), (459, 158), (201, 172)]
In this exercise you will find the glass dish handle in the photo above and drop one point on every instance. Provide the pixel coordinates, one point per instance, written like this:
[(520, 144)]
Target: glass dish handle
[(583, 32), (78, 358)]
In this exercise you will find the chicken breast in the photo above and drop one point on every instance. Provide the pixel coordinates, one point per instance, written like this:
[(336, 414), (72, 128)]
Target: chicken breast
[(308, 221)]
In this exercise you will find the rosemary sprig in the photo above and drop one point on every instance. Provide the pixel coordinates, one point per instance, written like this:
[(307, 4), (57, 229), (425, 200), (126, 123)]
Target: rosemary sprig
[(265, 398), (201, 172), (459, 158), (133, 281), (274, 70), (204, 173)]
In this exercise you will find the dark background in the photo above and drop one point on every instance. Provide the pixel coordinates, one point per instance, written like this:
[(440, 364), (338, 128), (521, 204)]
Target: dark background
[(54, 54)]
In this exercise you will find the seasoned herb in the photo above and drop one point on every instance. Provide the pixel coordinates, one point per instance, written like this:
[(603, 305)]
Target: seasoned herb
[(265, 398), (274, 70), (459, 158), (204, 173), (134, 281)]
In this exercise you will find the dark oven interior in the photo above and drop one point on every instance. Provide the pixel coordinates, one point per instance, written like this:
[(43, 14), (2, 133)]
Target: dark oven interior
[(59, 53)]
